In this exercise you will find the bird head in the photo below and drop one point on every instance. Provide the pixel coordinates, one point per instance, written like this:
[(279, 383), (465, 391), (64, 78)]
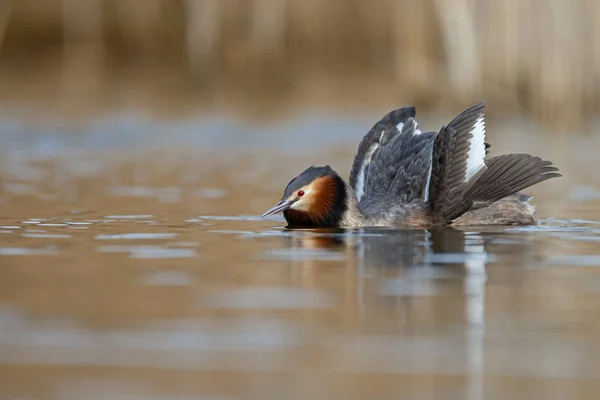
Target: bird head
[(315, 198)]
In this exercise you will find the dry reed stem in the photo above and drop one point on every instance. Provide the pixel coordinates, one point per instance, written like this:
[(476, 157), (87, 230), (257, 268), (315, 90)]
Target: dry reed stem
[(542, 56)]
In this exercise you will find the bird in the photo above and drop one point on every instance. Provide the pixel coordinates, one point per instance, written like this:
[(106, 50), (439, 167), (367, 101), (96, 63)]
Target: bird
[(402, 176)]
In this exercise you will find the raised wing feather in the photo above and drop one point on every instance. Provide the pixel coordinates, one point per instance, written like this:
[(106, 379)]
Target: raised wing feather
[(458, 156), (377, 138), (508, 174), (399, 171), (461, 177)]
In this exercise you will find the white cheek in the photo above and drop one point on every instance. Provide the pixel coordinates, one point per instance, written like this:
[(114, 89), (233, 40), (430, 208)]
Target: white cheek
[(302, 203), (297, 205)]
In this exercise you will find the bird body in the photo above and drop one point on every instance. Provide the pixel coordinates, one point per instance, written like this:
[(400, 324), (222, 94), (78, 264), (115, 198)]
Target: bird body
[(403, 176)]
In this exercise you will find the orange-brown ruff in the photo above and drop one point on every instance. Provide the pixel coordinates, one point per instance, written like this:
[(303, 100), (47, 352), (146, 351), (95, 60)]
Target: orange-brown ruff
[(403, 176), (325, 189)]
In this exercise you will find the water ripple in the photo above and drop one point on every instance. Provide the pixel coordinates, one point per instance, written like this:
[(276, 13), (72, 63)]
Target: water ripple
[(135, 236)]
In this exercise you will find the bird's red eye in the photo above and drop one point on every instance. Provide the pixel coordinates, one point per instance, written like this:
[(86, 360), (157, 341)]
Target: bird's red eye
[(300, 193)]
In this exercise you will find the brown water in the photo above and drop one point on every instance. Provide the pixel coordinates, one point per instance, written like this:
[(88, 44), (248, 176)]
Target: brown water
[(134, 264)]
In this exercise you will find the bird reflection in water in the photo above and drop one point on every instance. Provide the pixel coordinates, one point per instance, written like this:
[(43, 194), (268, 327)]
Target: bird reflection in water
[(393, 248), (408, 271), (401, 267)]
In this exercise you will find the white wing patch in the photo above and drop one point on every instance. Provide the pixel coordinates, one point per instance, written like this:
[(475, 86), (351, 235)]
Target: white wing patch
[(414, 127), (428, 180), (476, 153), (360, 182)]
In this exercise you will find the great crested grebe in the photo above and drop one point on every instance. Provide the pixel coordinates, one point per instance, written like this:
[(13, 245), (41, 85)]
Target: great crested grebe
[(402, 176)]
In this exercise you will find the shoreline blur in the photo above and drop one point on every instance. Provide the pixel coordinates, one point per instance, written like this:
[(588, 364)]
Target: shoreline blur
[(269, 57)]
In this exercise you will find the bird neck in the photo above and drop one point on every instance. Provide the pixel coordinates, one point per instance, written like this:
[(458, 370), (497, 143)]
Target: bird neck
[(352, 217)]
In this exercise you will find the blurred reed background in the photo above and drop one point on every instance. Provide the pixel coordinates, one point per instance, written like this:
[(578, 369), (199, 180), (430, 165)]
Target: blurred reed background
[(539, 58)]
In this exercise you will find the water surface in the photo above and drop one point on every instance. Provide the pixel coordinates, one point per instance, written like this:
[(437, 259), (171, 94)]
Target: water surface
[(141, 268)]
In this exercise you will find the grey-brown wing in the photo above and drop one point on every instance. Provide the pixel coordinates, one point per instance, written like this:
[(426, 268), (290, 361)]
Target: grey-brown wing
[(399, 172), (458, 156), (377, 138), (461, 176)]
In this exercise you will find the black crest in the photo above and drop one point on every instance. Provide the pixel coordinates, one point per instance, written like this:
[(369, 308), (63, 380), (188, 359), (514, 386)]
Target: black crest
[(309, 175)]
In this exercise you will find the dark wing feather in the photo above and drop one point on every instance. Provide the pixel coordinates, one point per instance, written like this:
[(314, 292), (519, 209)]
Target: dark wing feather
[(449, 164), (508, 174), (398, 172), (379, 135)]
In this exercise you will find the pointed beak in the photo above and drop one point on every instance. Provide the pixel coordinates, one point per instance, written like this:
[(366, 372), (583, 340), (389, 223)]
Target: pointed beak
[(281, 206)]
